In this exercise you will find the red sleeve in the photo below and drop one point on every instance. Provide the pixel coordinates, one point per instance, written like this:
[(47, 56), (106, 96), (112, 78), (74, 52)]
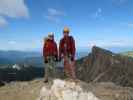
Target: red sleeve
[(60, 48), (73, 48), (44, 50), (56, 50)]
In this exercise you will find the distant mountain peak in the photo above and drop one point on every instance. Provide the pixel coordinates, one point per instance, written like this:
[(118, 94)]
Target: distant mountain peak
[(96, 50), (102, 65)]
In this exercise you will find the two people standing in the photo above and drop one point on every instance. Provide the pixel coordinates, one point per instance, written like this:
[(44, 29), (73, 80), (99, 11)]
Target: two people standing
[(66, 53)]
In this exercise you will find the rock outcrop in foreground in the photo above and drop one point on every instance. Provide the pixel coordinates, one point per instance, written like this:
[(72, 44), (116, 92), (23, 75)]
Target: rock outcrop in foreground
[(65, 90), (58, 89), (70, 90), (104, 66)]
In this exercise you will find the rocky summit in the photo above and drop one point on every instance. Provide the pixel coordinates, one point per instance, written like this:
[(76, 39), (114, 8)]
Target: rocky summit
[(104, 66), (65, 90)]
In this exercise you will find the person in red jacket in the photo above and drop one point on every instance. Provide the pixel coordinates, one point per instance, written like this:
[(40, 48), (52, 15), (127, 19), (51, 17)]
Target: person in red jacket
[(67, 53), (50, 54)]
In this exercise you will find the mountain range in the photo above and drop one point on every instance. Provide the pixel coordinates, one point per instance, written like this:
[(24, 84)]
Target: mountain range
[(32, 58), (12, 57)]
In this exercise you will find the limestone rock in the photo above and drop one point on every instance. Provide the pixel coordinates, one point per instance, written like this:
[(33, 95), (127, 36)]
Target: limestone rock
[(65, 90)]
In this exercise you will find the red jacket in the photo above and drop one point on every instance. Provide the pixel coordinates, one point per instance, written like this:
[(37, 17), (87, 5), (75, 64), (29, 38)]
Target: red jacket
[(50, 48), (67, 46)]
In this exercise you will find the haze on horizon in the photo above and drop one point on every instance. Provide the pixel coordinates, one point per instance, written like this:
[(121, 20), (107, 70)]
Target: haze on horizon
[(105, 23)]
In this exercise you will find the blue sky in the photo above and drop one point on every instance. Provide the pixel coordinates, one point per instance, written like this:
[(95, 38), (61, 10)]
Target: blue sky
[(106, 23)]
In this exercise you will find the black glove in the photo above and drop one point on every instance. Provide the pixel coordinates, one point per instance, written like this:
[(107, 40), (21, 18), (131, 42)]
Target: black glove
[(72, 58), (56, 59), (59, 59), (46, 61)]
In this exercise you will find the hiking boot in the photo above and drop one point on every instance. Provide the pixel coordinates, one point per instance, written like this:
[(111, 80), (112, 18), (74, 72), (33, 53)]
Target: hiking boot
[(76, 80), (45, 81)]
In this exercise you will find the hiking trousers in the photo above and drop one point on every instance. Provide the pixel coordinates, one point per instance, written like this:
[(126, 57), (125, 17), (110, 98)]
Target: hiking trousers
[(50, 68), (69, 67)]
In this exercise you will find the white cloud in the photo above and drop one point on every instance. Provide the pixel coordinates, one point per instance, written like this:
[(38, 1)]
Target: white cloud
[(130, 25), (119, 2), (115, 43), (3, 22), (52, 18), (97, 14), (127, 24), (54, 14), (13, 9), (11, 42), (122, 1), (99, 10)]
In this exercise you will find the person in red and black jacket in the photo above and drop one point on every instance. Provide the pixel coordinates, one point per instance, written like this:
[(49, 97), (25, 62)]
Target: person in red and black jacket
[(67, 53), (50, 54)]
